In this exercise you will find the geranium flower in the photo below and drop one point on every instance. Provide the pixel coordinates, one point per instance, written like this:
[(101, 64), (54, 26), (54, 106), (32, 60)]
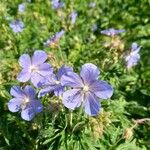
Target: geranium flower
[(52, 83), (133, 58), (34, 67), (87, 89), (21, 7), (17, 26), (112, 32), (25, 101)]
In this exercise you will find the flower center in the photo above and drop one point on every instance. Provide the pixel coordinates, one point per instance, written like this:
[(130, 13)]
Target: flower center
[(57, 82), (26, 100), (33, 68), (85, 88)]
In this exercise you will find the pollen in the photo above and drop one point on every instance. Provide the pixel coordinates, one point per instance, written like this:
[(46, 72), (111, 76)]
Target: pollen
[(26, 100), (85, 88), (33, 68), (57, 82)]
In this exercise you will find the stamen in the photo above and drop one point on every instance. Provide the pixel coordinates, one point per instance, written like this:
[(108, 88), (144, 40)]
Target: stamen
[(85, 88), (33, 68), (57, 82)]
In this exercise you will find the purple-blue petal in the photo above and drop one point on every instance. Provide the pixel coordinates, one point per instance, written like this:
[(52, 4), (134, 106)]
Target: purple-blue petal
[(72, 99), (24, 75), (36, 78), (45, 69), (89, 72), (45, 91), (28, 114), (59, 90), (25, 61), (132, 60), (63, 70), (39, 57), (71, 79), (91, 104), (29, 91), (101, 89), (37, 106), (14, 104), (17, 92)]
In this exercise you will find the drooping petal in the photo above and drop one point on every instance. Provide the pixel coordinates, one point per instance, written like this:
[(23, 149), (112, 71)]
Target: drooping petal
[(63, 70), (36, 78), (91, 104), (71, 79), (49, 80), (59, 91), (39, 57), (134, 46), (28, 113), (45, 69), (89, 72), (17, 92), (132, 60), (24, 75), (37, 106), (72, 98), (101, 89), (25, 61), (30, 92), (45, 91), (14, 104)]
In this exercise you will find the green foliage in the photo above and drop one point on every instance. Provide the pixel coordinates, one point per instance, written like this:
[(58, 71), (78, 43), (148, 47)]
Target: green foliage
[(58, 128)]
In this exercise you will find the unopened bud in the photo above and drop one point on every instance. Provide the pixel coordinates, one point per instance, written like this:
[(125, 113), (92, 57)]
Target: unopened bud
[(128, 133)]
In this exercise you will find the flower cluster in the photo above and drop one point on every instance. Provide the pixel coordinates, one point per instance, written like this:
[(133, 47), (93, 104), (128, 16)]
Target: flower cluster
[(133, 57), (84, 89)]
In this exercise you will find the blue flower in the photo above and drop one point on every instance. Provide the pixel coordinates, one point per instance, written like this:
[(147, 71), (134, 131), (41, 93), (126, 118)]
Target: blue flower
[(87, 89), (54, 39), (17, 26), (34, 67), (73, 17), (112, 32), (53, 82), (56, 4), (133, 58), (21, 7), (25, 101)]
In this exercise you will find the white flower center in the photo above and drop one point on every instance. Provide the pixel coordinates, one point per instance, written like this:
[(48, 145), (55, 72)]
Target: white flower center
[(26, 100), (85, 88), (33, 68), (57, 82)]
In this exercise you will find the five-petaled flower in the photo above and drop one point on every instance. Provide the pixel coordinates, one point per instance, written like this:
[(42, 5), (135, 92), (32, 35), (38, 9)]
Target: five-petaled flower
[(17, 26), (25, 101), (86, 89), (34, 68), (53, 82), (112, 32), (133, 58)]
